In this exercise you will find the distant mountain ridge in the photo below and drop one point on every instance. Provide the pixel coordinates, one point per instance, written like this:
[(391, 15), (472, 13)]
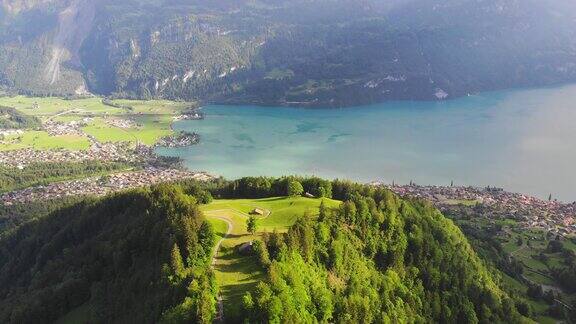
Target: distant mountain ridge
[(279, 52)]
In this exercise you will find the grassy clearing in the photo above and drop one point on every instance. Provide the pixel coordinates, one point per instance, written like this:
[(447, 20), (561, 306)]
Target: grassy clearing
[(236, 274), (283, 211), (49, 106)]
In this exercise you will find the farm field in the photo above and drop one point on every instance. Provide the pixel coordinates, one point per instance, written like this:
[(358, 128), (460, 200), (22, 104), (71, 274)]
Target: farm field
[(530, 248), (152, 120), (149, 130), (236, 273), (40, 140), (49, 106)]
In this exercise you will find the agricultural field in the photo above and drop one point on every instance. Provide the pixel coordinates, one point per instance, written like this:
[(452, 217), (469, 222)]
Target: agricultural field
[(530, 249), (100, 118), (237, 273), (149, 130), (40, 140)]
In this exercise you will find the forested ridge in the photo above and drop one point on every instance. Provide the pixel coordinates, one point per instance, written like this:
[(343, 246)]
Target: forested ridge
[(376, 259), (136, 257), (143, 256), (41, 173)]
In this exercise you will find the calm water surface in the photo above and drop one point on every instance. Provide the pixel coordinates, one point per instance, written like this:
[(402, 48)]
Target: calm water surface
[(523, 140)]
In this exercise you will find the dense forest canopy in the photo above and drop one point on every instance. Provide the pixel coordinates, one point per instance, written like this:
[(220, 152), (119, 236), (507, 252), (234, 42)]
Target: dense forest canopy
[(134, 257), (316, 53), (143, 256)]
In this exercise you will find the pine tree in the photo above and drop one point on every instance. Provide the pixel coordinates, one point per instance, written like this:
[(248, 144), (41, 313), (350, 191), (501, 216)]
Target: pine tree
[(176, 261), (251, 225), (322, 211), (295, 188)]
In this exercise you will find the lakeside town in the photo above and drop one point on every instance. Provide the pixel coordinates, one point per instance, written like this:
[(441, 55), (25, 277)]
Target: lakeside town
[(531, 212), (104, 152), (99, 186)]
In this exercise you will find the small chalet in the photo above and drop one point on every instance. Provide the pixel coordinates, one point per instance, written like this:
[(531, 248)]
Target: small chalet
[(257, 211)]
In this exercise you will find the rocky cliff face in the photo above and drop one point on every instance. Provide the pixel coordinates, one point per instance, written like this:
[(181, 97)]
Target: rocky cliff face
[(321, 52)]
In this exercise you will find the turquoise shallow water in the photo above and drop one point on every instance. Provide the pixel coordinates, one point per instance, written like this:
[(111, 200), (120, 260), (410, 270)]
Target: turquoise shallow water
[(522, 140)]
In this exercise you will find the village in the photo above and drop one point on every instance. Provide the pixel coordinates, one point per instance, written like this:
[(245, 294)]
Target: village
[(99, 186), (123, 151), (181, 139), (107, 152), (549, 215)]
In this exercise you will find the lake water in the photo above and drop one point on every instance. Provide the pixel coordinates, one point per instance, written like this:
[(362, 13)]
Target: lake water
[(522, 140)]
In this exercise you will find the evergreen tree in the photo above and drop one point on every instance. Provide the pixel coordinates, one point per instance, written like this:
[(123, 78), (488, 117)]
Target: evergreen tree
[(295, 188), (251, 225)]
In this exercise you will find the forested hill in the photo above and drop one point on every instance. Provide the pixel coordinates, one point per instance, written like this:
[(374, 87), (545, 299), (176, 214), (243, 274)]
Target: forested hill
[(315, 53), (375, 259), (134, 257), (143, 257)]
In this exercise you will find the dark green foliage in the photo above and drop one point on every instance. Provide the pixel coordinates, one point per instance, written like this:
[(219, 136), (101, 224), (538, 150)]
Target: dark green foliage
[(566, 277), (295, 188), (197, 190), (251, 225), (12, 216), (554, 246), (261, 252), (317, 187), (263, 187), (41, 173), (143, 256), (137, 257), (377, 259), (11, 118)]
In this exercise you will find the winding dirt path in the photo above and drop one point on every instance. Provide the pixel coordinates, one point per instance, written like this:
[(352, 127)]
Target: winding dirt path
[(219, 243), (220, 316)]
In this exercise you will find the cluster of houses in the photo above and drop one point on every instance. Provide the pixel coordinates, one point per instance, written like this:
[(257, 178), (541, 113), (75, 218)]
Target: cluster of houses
[(549, 215), (182, 139), (191, 114), (122, 123), (55, 128), (107, 152), (98, 186)]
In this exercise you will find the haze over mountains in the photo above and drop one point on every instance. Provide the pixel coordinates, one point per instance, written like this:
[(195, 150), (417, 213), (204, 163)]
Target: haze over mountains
[(278, 52)]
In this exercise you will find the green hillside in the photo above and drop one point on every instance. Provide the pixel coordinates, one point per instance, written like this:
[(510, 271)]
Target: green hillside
[(136, 257), (237, 273), (351, 254)]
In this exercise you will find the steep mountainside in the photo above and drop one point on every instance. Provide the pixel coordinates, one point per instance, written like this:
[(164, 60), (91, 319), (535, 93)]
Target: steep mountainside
[(321, 52)]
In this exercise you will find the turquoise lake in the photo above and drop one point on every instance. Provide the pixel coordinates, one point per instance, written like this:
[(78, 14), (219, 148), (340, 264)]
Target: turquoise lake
[(521, 140)]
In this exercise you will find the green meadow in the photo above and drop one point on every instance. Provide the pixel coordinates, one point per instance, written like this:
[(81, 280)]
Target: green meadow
[(153, 117), (149, 130), (237, 273), (40, 140)]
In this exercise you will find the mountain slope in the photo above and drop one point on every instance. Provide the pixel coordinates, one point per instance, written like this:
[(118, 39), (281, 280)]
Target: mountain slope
[(143, 256), (128, 258), (319, 53), (375, 259)]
